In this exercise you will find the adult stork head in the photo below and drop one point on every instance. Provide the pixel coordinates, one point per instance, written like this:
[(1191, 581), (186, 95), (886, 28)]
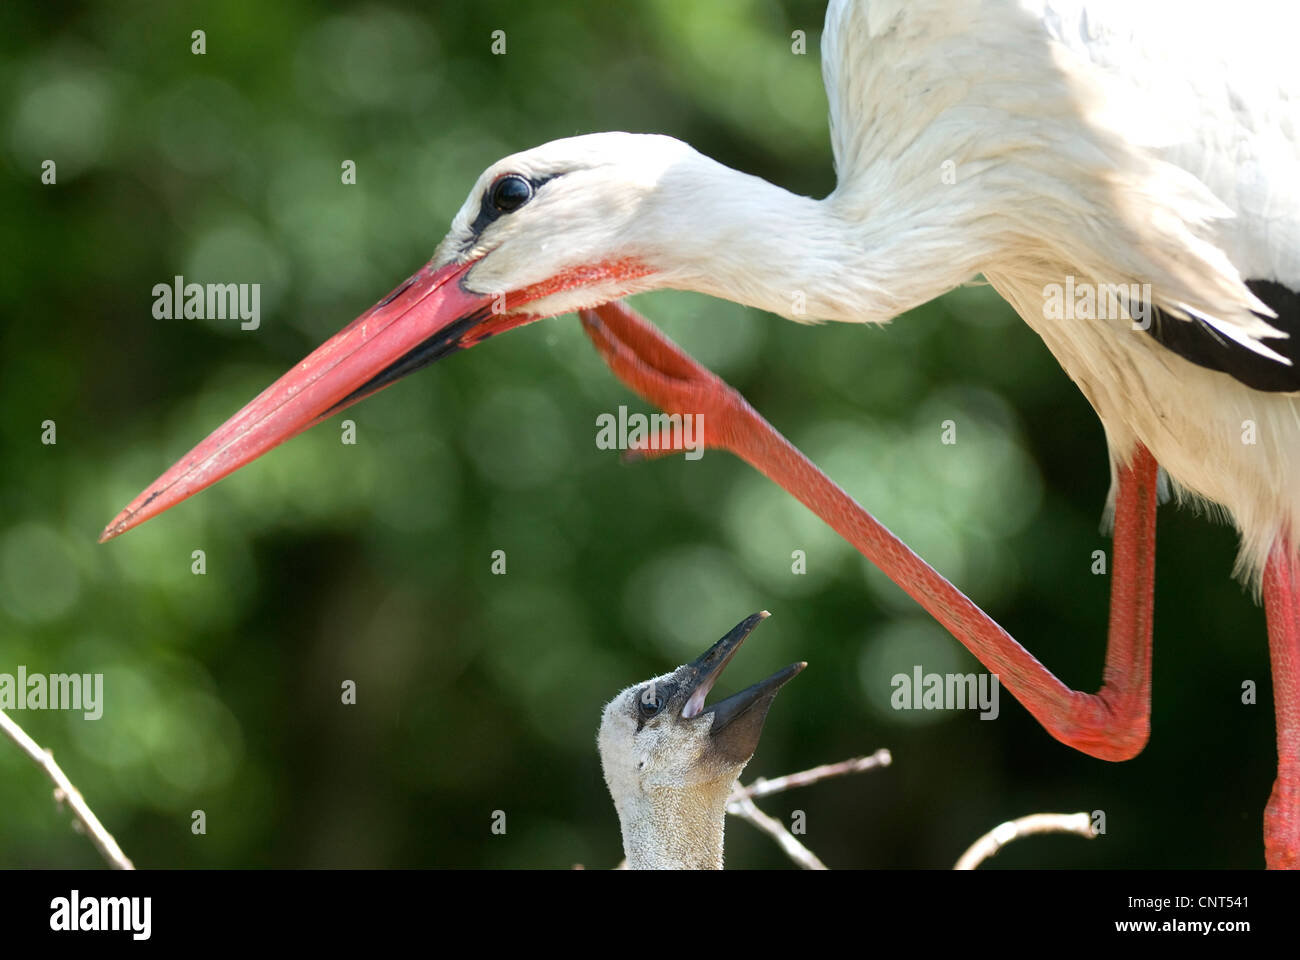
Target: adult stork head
[(570, 224)]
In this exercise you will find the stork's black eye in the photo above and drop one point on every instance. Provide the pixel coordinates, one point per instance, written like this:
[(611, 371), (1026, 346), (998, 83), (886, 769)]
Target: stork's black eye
[(510, 193), (651, 702)]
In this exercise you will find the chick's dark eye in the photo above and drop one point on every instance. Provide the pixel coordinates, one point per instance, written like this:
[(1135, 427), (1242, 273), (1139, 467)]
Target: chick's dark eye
[(510, 193), (651, 703)]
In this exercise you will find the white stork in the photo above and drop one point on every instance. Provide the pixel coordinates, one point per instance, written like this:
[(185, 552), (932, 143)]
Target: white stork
[(1049, 145)]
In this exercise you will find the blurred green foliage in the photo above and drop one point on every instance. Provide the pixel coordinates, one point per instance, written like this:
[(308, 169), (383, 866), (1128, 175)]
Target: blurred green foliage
[(371, 562)]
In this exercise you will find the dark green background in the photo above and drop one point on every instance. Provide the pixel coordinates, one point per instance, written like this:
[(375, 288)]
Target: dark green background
[(370, 562)]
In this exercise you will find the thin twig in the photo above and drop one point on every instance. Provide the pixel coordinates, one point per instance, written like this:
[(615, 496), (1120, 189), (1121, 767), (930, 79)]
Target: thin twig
[(763, 788), (997, 838), (796, 851), (741, 802), (65, 791)]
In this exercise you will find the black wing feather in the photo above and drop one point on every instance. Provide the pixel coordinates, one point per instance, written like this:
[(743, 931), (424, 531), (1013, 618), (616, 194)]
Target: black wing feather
[(1197, 341)]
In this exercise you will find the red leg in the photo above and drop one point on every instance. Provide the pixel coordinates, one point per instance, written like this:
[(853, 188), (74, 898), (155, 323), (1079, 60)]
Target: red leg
[(1112, 724), (1282, 602)]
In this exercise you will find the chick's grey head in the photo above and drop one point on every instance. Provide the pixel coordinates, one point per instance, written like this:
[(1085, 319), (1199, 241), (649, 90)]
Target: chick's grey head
[(660, 734)]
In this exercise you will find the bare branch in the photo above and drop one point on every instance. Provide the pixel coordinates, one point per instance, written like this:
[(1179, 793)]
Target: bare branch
[(65, 791), (997, 838), (763, 788), (745, 809)]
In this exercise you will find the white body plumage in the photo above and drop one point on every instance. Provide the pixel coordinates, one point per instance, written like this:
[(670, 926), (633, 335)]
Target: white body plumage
[(1034, 142)]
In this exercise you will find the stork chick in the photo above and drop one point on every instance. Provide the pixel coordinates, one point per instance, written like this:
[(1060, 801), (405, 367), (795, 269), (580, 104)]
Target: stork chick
[(671, 762)]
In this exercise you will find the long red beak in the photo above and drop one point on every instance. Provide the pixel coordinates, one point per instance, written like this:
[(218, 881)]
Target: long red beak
[(423, 320)]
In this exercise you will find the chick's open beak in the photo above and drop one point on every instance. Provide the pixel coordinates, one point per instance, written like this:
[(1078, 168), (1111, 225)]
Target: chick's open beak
[(737, 720)]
